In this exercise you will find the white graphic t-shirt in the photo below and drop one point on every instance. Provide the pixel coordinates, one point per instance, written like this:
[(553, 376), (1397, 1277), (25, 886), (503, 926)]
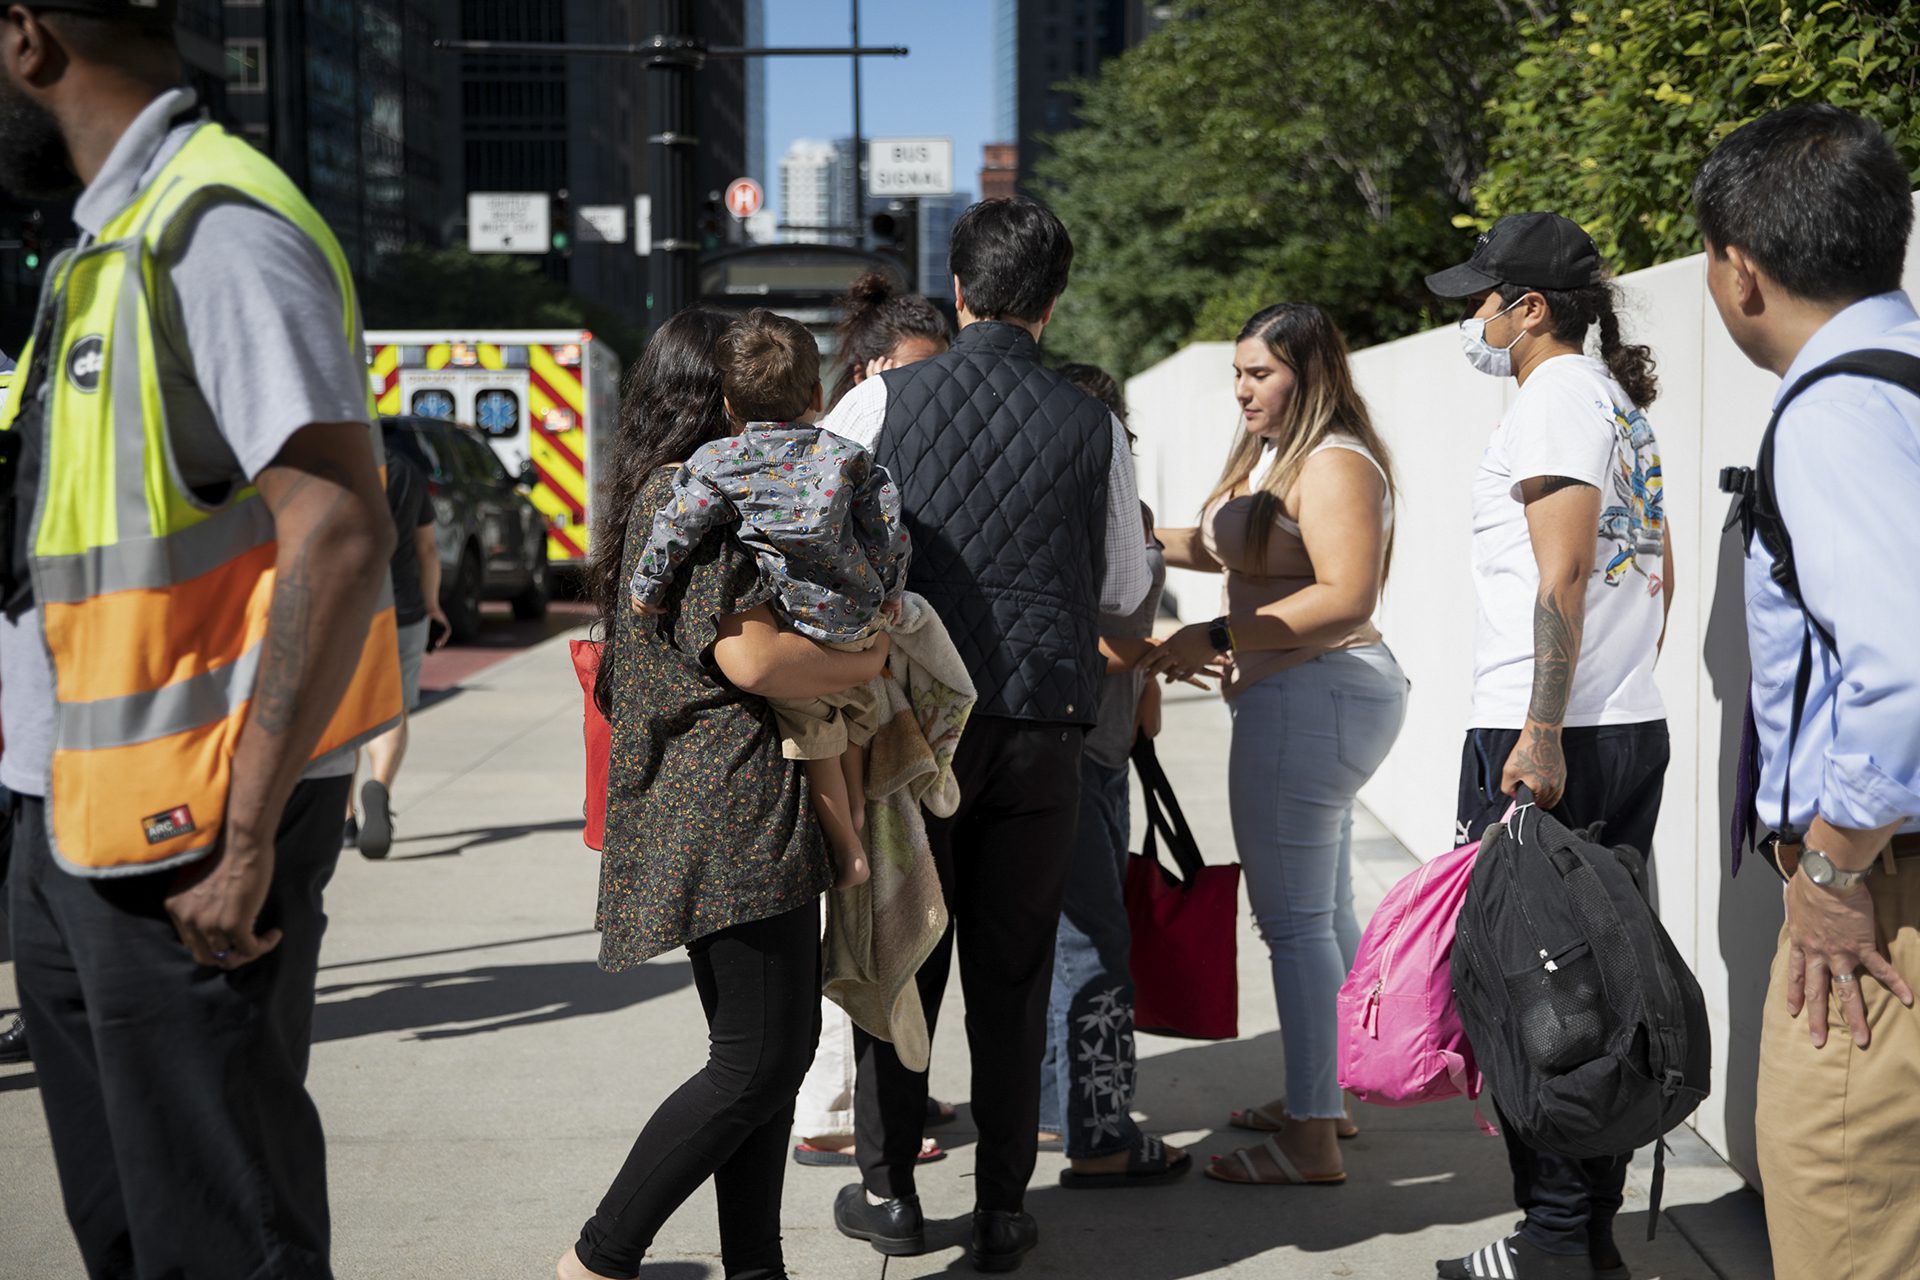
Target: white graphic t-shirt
[(1571, 419)]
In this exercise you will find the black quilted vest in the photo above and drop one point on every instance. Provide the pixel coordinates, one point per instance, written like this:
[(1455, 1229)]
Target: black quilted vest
[(1002, 467)]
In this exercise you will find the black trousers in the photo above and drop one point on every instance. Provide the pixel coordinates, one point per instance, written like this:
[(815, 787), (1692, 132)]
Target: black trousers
[(1003, 860), (175, 1094), (1615, 776), (760, 986)]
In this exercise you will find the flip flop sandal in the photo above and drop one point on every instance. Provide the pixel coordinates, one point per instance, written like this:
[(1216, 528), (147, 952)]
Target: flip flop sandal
[(1147, 1166), (939, 1113), (1261, 1120), (1290, 1176), (805, 1153)]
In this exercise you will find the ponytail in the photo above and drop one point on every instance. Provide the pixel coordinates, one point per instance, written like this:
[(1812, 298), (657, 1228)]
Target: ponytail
[(1576, 311), (1631, 364)]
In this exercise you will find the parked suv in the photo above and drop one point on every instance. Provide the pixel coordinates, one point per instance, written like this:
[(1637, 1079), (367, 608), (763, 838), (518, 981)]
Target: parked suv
[(493, 541)]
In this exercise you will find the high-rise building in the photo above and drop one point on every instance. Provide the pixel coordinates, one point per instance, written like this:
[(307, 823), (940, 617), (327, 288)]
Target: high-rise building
[(937, 216), (999, 170), (1056, 41), (816, 191), (330, 91), (537, 122)]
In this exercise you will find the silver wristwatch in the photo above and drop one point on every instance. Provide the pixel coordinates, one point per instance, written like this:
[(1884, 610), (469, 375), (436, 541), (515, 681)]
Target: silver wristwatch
[(1821, 871)]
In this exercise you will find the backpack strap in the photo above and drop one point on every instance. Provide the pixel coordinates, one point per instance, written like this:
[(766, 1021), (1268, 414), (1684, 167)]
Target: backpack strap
[(1757, 510)]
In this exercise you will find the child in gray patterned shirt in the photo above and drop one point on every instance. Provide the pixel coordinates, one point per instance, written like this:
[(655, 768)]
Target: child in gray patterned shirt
[(824, 523)]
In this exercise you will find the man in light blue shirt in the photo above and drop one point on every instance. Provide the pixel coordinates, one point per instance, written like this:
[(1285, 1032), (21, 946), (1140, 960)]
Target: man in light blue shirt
[(1806, 214)]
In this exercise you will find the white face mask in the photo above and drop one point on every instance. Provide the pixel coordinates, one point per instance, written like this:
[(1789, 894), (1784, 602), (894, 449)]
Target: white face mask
[(1494, 361)]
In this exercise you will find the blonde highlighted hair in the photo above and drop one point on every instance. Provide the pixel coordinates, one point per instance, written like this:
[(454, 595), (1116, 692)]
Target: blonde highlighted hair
[(1324, 402)]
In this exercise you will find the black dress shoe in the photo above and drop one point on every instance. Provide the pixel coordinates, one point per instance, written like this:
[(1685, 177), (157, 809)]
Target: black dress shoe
[(893, 1227), (1001, 1239), (13, 1042)]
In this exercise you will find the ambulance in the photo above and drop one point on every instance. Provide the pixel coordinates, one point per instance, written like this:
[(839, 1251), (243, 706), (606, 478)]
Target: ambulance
[(545, 397)]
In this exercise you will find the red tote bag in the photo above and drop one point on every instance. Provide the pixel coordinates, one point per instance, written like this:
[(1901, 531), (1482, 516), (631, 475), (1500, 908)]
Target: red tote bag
[(1185, 973), (586, 666)]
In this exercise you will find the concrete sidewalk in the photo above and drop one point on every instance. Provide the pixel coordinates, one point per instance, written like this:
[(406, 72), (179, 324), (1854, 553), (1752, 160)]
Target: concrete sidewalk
[(481, 1080)]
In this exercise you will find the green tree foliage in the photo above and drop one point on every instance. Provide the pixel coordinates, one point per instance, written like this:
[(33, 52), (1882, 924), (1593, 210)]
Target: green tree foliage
[(1610, 111), (1252, 152), (420, 288)]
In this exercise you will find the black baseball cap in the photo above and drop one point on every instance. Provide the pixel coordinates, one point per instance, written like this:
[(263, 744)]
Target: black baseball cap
[(149, 12), (1532, 250)]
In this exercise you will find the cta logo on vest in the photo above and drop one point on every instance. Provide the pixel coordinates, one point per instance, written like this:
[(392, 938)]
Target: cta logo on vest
[(86, 360)]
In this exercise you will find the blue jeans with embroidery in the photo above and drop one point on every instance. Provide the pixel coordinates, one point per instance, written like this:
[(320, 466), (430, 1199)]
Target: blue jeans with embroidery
[(1086, 1079), (1304, 742)]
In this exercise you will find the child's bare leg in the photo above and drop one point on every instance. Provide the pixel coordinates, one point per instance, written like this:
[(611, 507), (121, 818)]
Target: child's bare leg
[(853, 762), (830, 804)]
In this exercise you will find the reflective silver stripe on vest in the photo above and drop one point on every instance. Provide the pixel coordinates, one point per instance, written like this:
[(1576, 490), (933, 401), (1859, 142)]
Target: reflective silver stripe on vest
[(204, 699), (156, 562), (129, 414)]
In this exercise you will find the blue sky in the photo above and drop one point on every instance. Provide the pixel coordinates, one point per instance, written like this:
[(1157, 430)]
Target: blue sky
[(943, 88)]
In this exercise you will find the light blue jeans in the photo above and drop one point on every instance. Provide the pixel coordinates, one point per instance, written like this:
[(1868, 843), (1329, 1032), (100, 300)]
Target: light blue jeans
[(1304, 742)]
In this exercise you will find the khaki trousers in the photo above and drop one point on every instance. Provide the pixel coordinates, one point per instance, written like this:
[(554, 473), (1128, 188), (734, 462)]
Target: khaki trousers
[(1839, 1127)]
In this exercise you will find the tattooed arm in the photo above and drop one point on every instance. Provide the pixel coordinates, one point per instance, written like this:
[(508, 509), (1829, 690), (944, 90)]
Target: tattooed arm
[(1562, 516), (334, 538)]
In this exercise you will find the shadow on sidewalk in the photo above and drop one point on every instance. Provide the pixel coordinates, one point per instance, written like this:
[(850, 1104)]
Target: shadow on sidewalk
[(1408, 1171), (471, 1002), (476, 837)]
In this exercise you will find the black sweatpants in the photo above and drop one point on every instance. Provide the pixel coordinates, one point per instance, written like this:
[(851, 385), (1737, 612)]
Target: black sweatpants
[(175, 1094), (760, 986), (1003, 860), (1615, 776)]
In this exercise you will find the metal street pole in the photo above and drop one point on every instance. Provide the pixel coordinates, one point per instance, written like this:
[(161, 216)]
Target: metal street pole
[(672, 55), (670, 104), (859, 187)]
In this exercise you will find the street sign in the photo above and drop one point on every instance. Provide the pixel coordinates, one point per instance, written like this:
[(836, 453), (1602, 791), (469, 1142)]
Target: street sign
[(910, 167), (508, 222), (643, 225), (603, 223), (744, 198)]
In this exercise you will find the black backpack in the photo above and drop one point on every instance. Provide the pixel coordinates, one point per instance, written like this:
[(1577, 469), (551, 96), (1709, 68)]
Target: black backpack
[(1587, 1024)]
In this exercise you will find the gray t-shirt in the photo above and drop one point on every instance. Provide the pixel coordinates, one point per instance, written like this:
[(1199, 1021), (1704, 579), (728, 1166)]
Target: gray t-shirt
[(254, 347), (1110, 741)]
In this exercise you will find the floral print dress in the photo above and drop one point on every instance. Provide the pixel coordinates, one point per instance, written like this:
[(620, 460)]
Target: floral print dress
[(707, 825)]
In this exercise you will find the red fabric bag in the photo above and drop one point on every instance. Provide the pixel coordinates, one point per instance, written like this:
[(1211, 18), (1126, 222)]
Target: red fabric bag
[(1186, 978), (586, 665)]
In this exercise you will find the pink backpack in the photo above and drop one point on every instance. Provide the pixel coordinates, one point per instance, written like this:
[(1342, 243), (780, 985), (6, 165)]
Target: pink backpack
[(1400, 1037)]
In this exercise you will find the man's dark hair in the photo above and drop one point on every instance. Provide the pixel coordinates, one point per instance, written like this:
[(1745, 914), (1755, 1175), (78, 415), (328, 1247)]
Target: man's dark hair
[(770, 365), (1012, 257), (1816, 196)]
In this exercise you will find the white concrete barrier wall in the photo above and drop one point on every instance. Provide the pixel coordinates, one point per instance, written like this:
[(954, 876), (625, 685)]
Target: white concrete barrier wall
[(1436, 413)]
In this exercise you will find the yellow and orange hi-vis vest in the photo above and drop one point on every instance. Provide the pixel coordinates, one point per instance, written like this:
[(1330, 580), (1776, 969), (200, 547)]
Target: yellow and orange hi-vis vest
[(153, 602)]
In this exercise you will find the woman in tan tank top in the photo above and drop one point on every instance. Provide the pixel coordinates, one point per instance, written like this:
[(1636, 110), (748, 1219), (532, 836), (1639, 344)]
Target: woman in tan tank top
[(1301, 529)]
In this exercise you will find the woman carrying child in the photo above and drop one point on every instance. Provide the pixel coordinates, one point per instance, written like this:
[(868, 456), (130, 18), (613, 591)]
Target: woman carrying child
[(709, 841)]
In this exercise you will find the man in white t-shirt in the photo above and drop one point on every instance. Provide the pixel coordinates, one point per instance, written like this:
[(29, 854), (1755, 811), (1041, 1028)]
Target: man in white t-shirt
[(1573, 575)]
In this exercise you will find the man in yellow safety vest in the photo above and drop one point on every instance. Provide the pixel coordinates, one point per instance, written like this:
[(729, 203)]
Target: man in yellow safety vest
[(196, 628)]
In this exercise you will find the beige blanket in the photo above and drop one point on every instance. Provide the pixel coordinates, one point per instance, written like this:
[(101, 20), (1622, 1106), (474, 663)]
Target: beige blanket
[(880, 932)]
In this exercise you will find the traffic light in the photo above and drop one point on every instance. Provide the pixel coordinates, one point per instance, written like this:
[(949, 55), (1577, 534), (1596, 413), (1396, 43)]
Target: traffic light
[(894, 231), (713, 222), (562, 224), (32, 240)]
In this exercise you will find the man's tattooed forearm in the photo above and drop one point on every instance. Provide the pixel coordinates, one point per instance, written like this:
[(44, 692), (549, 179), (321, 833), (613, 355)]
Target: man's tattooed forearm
[(1556, 648), (276, 698)]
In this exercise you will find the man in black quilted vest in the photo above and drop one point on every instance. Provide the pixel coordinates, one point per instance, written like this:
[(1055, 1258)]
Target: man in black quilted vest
[(1018, 490)]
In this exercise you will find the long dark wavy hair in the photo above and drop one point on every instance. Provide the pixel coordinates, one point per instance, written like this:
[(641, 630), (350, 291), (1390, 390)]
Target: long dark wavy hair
[(670, 406), (1575, 311)]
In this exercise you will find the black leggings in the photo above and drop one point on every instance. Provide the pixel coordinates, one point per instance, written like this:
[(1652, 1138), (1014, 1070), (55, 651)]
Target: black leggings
[(760, 986)]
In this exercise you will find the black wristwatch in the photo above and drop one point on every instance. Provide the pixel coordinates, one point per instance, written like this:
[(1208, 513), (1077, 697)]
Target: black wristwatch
[(1220, 635)]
